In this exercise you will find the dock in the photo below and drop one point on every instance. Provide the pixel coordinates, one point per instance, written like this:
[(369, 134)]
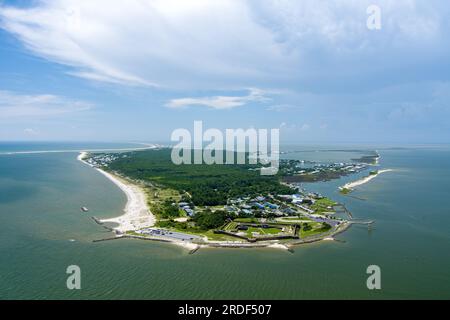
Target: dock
[(360, 221), (107, 239), (97, 221)]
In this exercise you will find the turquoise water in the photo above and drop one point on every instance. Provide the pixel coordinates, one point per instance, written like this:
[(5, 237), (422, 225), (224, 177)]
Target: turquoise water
[(43, 231), (32, 147)]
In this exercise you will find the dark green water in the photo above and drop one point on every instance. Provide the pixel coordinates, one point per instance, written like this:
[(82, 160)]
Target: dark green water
[(40, 197)]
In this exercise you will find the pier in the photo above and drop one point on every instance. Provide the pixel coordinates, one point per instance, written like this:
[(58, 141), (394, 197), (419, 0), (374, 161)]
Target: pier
[(363, 222), (107, 239), (97, 221), (344, 209), (368, 223)]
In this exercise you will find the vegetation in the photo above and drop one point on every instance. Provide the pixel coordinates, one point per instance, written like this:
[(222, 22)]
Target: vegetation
[(206, 189), (313, 228), (166, 209), (261, 231), (369, 159), (172, 224), (189, 228), (320, 176), (246, 220), (323, 205), (161, 200), (205, 185), (207, 219)]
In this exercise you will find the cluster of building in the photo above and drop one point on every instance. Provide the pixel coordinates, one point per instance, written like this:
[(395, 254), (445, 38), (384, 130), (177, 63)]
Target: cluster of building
[(103, 160), (246, 206), (298, 167), (260, 206), (186, 207)]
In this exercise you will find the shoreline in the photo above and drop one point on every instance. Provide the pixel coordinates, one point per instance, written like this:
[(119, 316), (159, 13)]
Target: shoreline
[(137, 214), (351, 185), (10, 153)]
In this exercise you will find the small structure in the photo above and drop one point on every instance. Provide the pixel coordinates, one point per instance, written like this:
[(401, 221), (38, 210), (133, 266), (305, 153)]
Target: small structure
[(258, 205), (289, 211), (308, 201), (271, 205)]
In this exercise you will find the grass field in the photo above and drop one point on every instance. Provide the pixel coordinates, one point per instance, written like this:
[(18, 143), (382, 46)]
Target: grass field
[(247, 220), (323, 205), (316, 228), (263, 231)]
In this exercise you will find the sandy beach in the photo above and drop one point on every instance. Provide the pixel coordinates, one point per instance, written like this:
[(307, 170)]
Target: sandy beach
[(352, 185), (137, 214)]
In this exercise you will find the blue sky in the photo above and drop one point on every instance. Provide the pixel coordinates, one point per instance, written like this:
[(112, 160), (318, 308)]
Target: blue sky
[(136, 70)]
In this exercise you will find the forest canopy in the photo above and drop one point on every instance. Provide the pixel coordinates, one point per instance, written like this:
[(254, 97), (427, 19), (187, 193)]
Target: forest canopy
[(208, 185)]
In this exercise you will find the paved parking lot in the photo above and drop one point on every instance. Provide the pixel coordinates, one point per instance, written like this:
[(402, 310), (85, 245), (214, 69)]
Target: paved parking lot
[(169, 234)]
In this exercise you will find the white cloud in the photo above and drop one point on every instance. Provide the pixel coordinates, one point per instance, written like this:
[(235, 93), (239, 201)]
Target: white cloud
[(144, 42), (13, 105), (216, 44), (31, 132), (219, 102)]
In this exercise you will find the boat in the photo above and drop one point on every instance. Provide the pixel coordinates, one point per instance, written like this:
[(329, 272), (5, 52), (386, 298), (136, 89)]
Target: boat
[(84, 209)]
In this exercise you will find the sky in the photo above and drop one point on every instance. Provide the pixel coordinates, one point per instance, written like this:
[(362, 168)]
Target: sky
[(136, 70)]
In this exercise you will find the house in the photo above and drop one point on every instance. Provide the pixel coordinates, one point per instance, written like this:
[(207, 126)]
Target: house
[(308, 201), (296, 198), (305, 208), (258, 205), (289, 211), (271, 205)]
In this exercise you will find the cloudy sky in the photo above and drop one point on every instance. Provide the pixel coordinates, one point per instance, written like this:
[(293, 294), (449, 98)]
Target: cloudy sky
[(109, 70)]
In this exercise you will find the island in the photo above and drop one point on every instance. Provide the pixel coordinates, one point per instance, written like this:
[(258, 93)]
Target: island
[(218, 205), (349, 187)]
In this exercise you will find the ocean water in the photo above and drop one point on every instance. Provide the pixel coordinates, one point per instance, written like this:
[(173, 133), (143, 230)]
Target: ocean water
[(42, 231)]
